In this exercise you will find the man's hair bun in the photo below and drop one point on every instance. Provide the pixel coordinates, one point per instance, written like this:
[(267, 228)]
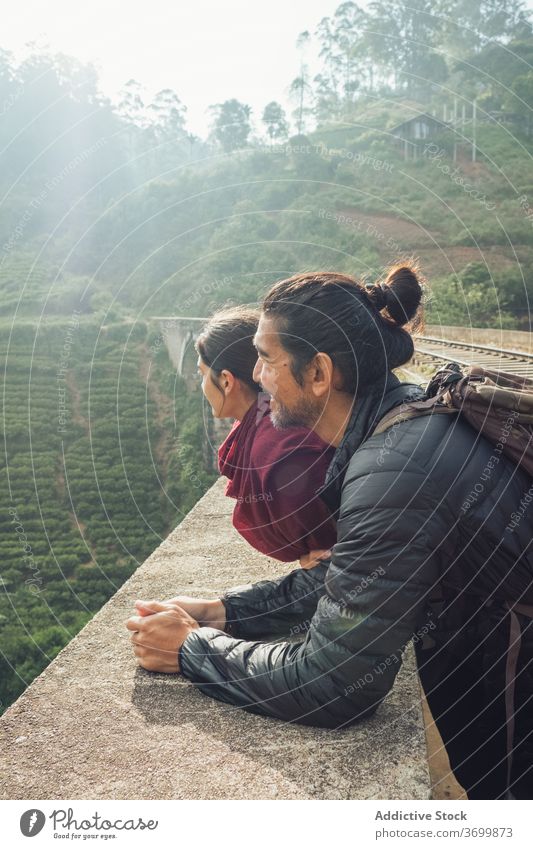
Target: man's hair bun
[(400, 294)]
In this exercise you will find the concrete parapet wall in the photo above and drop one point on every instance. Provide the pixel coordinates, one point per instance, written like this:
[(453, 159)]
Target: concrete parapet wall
[(94, 725)]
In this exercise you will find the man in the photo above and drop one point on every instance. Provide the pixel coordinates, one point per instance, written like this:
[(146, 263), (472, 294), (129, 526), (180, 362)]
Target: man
[(415, 552)]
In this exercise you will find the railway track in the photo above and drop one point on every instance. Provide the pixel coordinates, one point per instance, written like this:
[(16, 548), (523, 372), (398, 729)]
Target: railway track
[(430, 351)]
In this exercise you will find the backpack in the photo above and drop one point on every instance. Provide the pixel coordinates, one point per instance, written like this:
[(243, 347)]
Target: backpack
[(500, 406), (496, 404)]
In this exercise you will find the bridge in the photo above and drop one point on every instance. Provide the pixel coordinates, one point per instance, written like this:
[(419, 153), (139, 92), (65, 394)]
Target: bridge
[(94, 725), (179, 331)]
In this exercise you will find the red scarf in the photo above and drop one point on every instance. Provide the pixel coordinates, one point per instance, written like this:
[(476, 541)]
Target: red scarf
[(274, 474)]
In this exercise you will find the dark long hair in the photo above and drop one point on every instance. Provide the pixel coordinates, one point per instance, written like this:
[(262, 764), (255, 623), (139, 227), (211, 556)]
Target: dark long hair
[(360, 327), (226, 343)]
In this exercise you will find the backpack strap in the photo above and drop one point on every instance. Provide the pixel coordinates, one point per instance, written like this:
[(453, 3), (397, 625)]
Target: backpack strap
[(414, 410)]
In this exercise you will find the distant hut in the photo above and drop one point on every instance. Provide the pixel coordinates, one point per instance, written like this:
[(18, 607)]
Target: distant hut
[(419, 128)]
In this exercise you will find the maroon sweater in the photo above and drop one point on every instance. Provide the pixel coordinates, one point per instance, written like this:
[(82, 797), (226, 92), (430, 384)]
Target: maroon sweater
[(274, 475)]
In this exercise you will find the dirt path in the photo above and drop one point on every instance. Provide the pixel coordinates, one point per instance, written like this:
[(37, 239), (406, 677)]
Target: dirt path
[(392, 236), (76, 415), (381, 228)]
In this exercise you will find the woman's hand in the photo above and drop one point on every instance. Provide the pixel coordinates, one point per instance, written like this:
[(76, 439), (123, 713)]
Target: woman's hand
[(313, 558), (207, 612)]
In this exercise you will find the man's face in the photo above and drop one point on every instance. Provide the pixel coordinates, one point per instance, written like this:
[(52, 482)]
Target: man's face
[(291, 405)]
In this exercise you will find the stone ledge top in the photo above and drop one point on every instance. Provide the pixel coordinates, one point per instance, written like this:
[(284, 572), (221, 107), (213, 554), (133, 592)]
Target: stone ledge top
[(94, 725)]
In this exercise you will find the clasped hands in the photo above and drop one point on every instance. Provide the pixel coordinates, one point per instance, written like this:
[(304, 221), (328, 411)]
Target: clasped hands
[(161, 627)]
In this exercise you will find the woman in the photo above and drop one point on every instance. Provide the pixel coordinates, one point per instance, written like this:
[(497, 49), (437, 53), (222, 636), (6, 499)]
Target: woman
[(273, 474)]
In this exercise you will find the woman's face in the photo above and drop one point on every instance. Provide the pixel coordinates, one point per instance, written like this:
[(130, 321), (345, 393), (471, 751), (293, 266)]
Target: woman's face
[(212, 394)]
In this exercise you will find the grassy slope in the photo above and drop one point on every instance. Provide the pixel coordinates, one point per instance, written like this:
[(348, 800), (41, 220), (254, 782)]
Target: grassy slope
[(92, 477)]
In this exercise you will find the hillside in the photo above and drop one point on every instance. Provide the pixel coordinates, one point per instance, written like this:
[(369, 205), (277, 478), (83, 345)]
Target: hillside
[(115, 213), (103, 456), (230, 225)]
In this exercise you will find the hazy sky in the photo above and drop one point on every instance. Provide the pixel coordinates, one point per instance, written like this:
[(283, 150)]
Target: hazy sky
[(206, 50)]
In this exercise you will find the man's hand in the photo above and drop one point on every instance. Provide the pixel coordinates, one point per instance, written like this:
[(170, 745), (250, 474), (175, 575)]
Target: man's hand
[(313, 558), (157, 638), (208, 612)]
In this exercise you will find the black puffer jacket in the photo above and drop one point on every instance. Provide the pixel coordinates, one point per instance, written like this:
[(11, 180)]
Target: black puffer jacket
[(427, 504)]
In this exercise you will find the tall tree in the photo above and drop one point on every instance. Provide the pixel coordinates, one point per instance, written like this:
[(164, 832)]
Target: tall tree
[(469, 24), (231, 124), (404, 41), (345, 68), (350, 23), (131, 105), (167, 114), (328, 79), (300, 90), (275, 121), (497, 68), (328, 105)]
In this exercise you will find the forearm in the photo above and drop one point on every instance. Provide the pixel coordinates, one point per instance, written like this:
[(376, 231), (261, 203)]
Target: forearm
[(255, 676), (275, 608), (210, 613), (340, 673), (266, 608), (310, 683)]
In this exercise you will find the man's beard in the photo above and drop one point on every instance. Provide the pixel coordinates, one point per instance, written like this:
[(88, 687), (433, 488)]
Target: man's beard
[(305, 413)]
